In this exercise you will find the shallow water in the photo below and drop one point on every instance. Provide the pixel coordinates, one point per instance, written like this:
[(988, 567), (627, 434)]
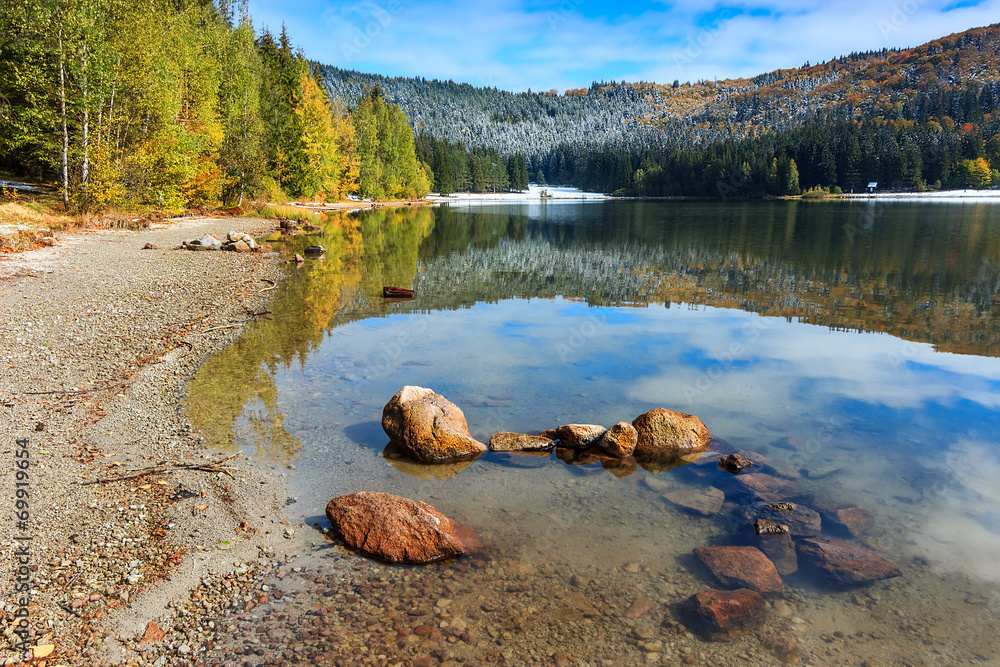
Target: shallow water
[(851, 348)]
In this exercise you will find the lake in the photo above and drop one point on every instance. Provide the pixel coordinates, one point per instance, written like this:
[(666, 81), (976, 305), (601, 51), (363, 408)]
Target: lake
[(848, 348)]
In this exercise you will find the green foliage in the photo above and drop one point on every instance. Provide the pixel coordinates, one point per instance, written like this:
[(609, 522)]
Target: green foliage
[(976, 173), (172, 104), (386, 152)]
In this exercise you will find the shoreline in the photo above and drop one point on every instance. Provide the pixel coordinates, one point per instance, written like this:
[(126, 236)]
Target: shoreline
[(103, 337)]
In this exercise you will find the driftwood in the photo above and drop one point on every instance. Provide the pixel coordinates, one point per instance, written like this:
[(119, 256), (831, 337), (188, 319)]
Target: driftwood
[(212, 466)]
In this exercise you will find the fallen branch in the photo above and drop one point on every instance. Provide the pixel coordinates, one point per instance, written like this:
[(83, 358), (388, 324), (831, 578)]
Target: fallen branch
[(71, 611), (68, 391), (219, 328), (213, 466)]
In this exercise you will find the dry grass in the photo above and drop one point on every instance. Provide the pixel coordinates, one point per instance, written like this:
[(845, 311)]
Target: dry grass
[(272, 212)]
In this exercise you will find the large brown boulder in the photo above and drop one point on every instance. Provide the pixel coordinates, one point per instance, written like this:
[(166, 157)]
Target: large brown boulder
[(846, 564), (429, 427), (395, 529), (663, 432), (724, 615), (741, 567)]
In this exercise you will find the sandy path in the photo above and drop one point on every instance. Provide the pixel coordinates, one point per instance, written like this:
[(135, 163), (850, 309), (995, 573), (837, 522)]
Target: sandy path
[(98, 339)]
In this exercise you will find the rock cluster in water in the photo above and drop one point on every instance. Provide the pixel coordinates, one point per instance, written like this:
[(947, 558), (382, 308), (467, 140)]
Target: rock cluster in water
[(776, 531)]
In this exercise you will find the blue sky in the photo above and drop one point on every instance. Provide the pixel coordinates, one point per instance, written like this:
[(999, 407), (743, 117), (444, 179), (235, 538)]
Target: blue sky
[(543, 44)]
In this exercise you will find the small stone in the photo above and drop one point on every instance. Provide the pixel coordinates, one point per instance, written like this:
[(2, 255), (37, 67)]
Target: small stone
[(785, 648), (240, 246), (619, 440), (153, 633), (640, 607), (519, 442), (763, 527), (150, 246), (734, 463), (42, 651), (579, 436), (723, 615), (299, 259), (183, 649)]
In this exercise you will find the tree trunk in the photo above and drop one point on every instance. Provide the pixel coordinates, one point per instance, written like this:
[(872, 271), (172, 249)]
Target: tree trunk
[(65, 129), (84, 176)]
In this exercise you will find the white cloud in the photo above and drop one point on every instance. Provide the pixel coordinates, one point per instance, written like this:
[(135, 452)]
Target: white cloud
[(570, 44)]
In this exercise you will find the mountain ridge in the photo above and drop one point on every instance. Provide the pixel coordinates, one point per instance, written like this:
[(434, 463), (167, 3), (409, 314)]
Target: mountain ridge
[(886, 84)]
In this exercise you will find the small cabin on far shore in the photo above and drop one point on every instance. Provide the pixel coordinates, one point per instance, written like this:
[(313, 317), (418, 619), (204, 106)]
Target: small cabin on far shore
[(873, 186)]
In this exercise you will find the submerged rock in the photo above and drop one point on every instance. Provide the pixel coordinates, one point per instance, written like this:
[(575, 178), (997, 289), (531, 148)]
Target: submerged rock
[(856, 521), (579, 436), (666, 432), (741, 567), (845, 563), (724, 615), (395, 529), (780, 550), (619, 440), (506, 441), (429, 427), (768, 488), (800, 520), (704, 501), (734, 463)]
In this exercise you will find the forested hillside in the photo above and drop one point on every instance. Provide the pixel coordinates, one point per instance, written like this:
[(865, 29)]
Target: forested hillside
[(180, 103), (910, 119)]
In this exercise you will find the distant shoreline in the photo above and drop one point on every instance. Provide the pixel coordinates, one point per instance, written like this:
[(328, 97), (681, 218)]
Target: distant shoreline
[(936, 195)]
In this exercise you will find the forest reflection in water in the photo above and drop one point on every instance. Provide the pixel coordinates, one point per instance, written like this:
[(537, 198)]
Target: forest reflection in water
[(921, 272)]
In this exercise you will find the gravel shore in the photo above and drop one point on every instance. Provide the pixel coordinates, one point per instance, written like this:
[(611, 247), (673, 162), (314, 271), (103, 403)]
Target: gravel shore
[(99, 338)]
